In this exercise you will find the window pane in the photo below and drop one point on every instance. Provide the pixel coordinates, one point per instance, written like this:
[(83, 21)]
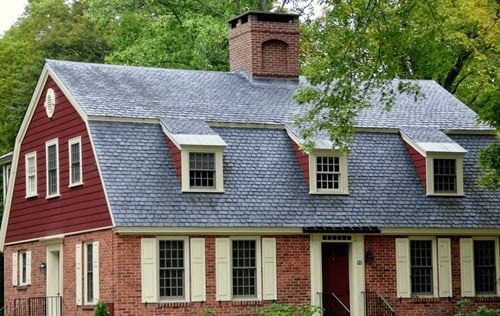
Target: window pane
[(328, 173), (445, 177), (244, 268), (421, 266), (202, 170), (52, 184), (90, 273), (75, 163), (172, 268), (484, 266)]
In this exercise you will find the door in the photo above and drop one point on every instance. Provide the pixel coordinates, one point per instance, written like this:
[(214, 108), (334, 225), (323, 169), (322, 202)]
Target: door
[(54, 280), (335, 266)]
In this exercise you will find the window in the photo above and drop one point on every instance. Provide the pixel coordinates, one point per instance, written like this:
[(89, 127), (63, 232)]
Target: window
[(328, 173), (52, 156), (87, 268), (423, 267), (202, 171), (75, 162), (21, 268), (444, 175), (246, 269), (31, 172), (172, 276), (167, 266), (480, 266), (6, 176)]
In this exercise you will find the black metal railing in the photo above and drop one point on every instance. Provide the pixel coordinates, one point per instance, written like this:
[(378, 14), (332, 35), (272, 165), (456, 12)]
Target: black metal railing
[(34, 306), (333, 305), (377, 305)]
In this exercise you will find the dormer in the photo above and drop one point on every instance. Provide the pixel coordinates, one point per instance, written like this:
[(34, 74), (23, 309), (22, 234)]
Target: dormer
[(197, 152), (324, 167), (438, 159)]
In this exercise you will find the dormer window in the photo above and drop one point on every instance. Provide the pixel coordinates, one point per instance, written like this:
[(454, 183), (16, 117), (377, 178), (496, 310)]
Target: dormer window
[(202, 170), (438, 160), (197, 157), (327, 172), (444, 175)]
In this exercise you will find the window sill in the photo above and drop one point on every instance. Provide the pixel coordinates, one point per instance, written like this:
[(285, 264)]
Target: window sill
[(54, 196), (88, 307), (328, 193), (75, 185), (23, 287), (31, 197)]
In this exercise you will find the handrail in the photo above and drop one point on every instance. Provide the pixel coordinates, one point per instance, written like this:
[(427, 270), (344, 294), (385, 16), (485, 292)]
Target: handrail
[(376, 304), (337, 299), (385, 302)]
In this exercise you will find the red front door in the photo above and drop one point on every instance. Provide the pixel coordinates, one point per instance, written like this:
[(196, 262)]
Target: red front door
[(335, 278)]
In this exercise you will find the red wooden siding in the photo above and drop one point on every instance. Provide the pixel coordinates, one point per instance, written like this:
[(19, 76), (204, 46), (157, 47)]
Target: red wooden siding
[(76, 209), (419, 162), (303, 159), (176, 157)]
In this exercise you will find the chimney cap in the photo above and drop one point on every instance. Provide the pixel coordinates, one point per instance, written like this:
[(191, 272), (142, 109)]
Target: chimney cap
[(268, 16)]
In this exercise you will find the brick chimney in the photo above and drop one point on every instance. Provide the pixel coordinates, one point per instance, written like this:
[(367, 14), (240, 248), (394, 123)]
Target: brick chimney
[(265, 44)]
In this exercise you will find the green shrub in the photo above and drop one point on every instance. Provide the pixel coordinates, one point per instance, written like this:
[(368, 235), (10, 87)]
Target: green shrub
[(286, 310), (101, 309), (464, 308)]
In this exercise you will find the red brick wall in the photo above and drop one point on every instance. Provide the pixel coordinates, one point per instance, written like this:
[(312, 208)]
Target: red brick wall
[(265, 48), (381, 277)]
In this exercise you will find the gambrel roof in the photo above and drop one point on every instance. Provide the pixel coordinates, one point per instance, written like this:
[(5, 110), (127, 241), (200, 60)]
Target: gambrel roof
[(263, 183)]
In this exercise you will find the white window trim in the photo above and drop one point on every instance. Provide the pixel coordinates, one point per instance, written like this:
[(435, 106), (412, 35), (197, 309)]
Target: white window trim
[(6, 176), (194, 264), (29, 193), (468, 285), (344, 186), (219, 174), (441, 282), (47, 145), (73, 141), (429, 163), (265, 264), (95, 272)]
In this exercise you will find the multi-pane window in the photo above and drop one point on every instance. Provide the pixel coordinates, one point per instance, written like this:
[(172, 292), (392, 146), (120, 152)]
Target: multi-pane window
[(89, 274), (445, 176), (31, 182), (327, 173), (421, 267), (75, 161), (21, 268), (23, 272), (244, 268), (201, 170), (171, 269), (484, 267), (52, 168)]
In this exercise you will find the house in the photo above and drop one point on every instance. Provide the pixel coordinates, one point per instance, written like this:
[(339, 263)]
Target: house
[(167, 192)]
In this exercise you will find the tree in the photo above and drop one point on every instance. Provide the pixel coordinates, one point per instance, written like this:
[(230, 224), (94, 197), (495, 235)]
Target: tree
[(358, 46)]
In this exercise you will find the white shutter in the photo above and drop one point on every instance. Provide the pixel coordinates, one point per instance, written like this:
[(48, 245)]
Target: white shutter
[(269, 282), (14, 269), (28, 267), (467, 266), (223, 269), (198, 292), (148, 270), (95, 270), (78, 274), (403, 267), (444, 266)]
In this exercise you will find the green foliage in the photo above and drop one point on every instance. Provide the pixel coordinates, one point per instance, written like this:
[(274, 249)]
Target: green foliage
[(358, 46), (101, 309), (206, 312), (287, 310), (489, 162), (464, 308)]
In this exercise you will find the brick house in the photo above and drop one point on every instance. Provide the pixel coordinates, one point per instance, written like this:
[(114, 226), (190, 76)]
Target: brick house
[(166, 192)]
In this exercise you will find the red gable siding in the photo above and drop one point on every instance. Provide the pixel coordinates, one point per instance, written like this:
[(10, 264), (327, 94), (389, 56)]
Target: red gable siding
[(419, 162), (76, 209), (303, 159), (176, 157)]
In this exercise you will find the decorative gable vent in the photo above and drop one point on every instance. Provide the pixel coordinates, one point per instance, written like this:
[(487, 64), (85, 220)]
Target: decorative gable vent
[(50, 102)]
